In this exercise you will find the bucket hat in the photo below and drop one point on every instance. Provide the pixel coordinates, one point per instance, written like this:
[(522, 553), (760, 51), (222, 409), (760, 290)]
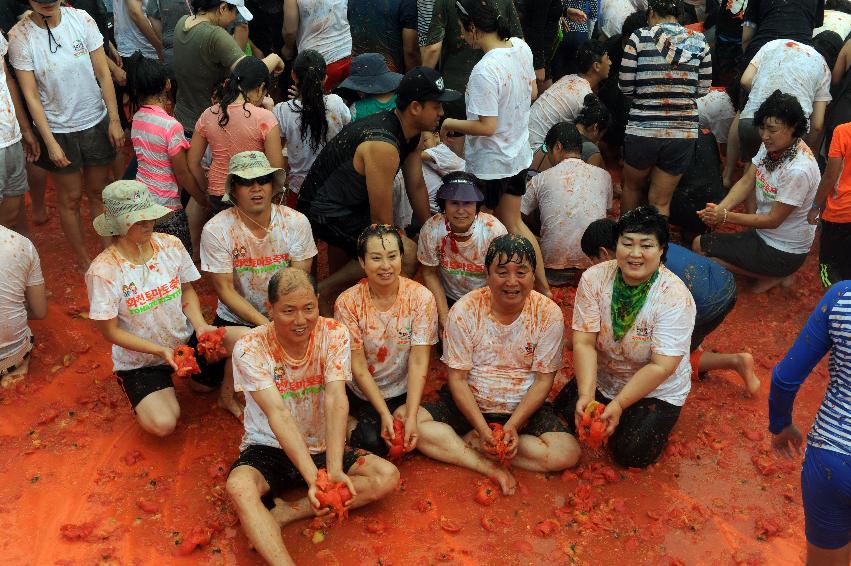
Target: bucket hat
[(250, 165), (125, 203), (369, 73)]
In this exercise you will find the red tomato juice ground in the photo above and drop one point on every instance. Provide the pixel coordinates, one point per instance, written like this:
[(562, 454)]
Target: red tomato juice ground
[(83, 484)]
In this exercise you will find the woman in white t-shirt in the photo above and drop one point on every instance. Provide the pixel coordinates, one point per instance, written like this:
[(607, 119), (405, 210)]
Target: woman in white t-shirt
[(632, 325), (308, 121), (499, 94), (58, 56), (785, 178), (142, 300)]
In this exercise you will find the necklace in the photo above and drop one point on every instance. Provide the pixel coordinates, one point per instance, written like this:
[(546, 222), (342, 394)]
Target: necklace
[(267, 228)]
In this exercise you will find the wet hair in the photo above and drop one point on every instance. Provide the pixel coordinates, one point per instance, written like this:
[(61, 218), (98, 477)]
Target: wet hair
[(510, 248), (289, 279), (378, 231), (598, 234), (145, 78), (785, 108), (645, 220), (593, 113), (666, 8), (199, 6), (828, 44), (633, 22), (484, 15), (567, 135), (309, 68), (248, 74), (459, 176), (589, 53)]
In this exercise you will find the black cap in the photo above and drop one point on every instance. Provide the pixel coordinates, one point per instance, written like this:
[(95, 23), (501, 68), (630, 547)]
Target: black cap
[(424, 83)]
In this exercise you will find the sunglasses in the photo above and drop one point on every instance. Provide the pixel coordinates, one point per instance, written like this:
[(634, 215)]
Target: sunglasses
[(262, 180)]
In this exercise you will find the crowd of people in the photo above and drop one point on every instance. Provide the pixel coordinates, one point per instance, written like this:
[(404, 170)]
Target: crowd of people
[(448, 174)]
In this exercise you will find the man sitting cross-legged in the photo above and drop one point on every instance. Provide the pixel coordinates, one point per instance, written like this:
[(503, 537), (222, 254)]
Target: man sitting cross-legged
[(294, 372), (502, 345)]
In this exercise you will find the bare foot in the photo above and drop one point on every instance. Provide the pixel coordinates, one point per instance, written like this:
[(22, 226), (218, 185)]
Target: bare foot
[(231, 406), (17, 375), (40, 217), (744, 367), (285, 512), (504, 478), (763, 285)]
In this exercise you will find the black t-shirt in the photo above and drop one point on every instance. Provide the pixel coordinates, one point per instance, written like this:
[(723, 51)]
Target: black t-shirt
[(783, 19), (333, 188)]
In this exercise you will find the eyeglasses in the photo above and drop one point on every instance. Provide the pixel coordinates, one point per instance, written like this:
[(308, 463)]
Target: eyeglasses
[(262, 180)]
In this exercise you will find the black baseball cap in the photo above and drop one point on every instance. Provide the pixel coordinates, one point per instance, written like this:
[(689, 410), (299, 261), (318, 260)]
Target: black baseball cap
[(424, 83)]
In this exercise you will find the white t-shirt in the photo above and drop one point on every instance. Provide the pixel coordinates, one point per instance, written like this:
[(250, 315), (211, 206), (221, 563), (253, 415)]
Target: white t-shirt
[(324, 27), (794, 183), (793, 68), (260, 362), (19, 269), (835, 21), (464, 270), (502, 359), (559, 103), (716, 113), (228, 246), (128, 38), (299, 153), (613, 13), (570, 196), (444, 161), (663, 326), (147, 299), (10, 131), (386, 337), (67, 86), (501, 85)]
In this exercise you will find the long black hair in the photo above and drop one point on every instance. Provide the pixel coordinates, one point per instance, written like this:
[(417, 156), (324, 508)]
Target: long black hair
[(594, 112), (145, 78), (484, 15), (309, 68), (248, 74)]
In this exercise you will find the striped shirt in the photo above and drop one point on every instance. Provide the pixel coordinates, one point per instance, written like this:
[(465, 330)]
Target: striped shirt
[(424, 10), (157, 137), (664, 68), (828, 329)]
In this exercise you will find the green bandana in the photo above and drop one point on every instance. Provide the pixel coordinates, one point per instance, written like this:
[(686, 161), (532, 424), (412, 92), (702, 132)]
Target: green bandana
[(626, 302)]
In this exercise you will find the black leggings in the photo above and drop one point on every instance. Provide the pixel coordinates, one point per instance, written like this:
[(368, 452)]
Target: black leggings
[(641, 435), (367, 434)]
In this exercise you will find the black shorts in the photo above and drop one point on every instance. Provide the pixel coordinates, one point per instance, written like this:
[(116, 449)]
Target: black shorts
[(671, 155), (493, 189), (834, 256), (749, 140), (87, 148), (750, 252), (367, 433), (341, 231), (279, 471), (214, 373), (444, 410)]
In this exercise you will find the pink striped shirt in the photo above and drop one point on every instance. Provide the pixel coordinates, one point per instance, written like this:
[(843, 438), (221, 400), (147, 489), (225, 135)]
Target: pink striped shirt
[(157, 137)]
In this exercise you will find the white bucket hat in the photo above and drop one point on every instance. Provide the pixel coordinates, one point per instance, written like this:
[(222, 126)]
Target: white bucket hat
[(250, 165), (126, 202)]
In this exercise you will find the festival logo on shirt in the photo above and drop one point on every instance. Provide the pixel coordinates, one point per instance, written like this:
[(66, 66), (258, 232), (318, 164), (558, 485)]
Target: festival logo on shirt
[(642, 332), (142, 302), (301, 388), (461, 268), (530, 348), (769, 191), (78, 47), (128, 290), (239, 252), (405, 336), (259, 265)]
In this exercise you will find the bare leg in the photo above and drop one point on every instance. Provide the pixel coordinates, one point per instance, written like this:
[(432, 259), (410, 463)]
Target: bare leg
[(662, 187), (550, 452), (158, 412), (828, 557), (732, 153), (750, 200), (741, 363), (227, 399), (410, 264), (763, 282), (245, 486), (69, 193), (336, 283), (196, 216), (10, 209), (37, 180), (508, 212), (439, 441), (95, 179), (634, 182)]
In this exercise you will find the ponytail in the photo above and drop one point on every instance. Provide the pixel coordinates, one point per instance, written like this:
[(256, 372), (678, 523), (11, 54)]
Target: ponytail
[(309, 68), (484, 16), (248, 74)]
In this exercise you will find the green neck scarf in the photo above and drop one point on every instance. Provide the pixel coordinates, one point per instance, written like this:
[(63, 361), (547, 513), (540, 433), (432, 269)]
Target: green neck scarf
[(626, 302)]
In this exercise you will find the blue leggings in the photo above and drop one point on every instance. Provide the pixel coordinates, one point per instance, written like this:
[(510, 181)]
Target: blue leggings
[(826, 491)]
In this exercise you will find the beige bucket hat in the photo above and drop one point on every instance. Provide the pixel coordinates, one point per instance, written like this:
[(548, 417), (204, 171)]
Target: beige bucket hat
[(126, 202), (250, 165)]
